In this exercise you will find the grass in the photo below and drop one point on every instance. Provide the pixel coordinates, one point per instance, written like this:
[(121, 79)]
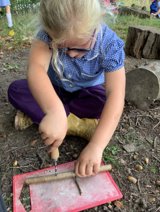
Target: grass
[(109, 154), (25, 26), (123, 22), (137, 2)]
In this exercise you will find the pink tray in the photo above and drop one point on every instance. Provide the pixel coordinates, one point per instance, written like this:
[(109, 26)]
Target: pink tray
[(63, 195)]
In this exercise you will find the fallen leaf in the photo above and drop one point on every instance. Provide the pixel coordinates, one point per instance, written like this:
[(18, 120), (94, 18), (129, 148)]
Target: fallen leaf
[(119, 204), (11, 33), (34, 142)]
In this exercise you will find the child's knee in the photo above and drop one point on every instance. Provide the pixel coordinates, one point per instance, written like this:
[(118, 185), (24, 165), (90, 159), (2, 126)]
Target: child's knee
[(15, 88)]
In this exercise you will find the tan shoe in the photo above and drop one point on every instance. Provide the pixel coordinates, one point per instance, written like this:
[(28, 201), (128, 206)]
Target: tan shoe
[(22, 121), (81, 127)]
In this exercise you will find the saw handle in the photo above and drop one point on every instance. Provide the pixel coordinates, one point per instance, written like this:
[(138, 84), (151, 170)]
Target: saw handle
[(55, 153)]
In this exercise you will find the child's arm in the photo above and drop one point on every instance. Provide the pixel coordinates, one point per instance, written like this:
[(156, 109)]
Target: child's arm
[(53, 126), (89, 161)]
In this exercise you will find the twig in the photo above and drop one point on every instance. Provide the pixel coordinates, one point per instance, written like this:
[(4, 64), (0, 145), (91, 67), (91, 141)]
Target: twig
[(145, 115), (156, 108), (150, 142), (156, 158), (155, 142), (151, 209), (77, 184), (16, 148), (156, 125), (21, 167), (158, 209), (137, 122), (138, 185)]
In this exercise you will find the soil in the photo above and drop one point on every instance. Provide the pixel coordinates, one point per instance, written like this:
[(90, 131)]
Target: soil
[(23, 151)]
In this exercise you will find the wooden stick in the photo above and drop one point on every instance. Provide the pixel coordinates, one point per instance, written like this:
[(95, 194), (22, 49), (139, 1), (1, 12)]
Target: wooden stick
[(60, 176)]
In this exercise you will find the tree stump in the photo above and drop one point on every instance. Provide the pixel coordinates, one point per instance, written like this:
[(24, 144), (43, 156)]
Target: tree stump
[(143, 85), (134, 11), (143, 41)]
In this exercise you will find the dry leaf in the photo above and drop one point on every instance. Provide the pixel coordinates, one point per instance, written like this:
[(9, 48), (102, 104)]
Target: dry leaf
[(33, 142), (119, 204)]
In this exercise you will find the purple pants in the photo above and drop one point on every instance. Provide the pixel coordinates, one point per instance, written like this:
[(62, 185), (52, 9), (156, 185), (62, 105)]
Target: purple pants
[(85, 103)]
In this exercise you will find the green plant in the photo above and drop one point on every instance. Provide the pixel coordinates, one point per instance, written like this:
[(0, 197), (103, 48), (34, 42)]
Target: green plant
[(154, 169), (110, 153)]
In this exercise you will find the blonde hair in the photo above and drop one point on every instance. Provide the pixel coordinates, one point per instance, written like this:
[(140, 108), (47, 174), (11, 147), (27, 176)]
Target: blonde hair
[(68, 19)]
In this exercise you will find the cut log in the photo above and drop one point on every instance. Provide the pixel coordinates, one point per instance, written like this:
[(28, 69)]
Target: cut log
[(134, 11), (143, 41), (143, 85)]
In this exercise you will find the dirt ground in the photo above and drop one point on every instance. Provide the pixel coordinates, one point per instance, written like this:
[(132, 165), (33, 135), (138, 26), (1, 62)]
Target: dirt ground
[(23, 151)]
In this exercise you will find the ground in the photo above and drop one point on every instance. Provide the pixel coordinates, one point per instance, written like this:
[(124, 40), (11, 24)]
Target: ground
[(23, 151)]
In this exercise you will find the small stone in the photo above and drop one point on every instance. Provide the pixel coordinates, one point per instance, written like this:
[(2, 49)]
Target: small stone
[(132, 179), (148, 186), (75, 156)]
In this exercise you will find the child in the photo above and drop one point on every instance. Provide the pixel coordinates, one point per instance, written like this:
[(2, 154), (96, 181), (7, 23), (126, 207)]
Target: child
[(71, 58), (6, 4), (155, 8)]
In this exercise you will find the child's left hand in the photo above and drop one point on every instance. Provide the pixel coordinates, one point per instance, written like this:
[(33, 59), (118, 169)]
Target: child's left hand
[(89, 161)]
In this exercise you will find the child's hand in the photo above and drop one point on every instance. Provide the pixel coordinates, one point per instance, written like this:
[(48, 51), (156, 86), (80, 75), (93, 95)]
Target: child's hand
[(89, 161), (53, 128)]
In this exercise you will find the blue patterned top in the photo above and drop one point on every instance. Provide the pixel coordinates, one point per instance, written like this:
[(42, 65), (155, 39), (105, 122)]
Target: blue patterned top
[(107, 55)]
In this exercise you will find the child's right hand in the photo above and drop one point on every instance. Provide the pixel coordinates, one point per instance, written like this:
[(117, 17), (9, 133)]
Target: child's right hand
[(53, 129)]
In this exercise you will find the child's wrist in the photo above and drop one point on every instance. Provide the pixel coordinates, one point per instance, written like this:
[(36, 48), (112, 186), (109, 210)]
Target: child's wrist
[(97, 145)]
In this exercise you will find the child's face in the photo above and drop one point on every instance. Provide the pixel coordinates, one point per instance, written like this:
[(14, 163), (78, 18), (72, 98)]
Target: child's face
[(78, 47)]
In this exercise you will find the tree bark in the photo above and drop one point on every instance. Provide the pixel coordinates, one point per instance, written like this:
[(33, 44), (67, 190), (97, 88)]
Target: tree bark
[(143, 41)]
